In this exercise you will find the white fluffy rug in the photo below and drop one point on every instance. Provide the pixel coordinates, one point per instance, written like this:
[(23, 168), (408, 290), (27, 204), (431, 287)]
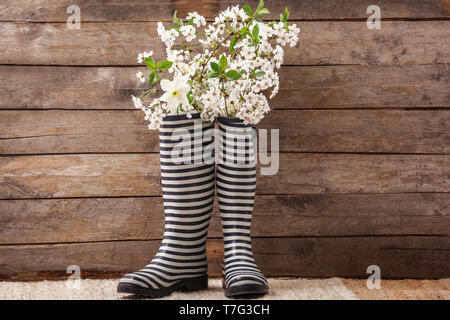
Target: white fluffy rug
[(297, 289)]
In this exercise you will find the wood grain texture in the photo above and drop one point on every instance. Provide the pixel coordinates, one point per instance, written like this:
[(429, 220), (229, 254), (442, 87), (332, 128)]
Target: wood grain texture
[(363, 115), (371, 131), (154, 10), (44, 87), (398, 257), (109, 219), (67, 131), (321, 43), (98, 175)]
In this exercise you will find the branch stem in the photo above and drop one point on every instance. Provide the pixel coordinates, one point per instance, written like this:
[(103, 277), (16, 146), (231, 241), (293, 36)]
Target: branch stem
[(225, 98)]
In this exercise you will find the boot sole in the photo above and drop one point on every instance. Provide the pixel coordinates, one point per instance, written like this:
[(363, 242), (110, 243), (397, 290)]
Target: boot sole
[(246, 290), (185, 285)]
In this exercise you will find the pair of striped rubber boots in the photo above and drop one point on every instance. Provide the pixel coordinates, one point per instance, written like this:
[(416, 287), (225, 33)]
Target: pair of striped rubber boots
[(189, 178)]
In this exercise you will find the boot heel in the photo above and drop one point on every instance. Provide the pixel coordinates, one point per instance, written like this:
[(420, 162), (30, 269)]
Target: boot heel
[(194, 284)]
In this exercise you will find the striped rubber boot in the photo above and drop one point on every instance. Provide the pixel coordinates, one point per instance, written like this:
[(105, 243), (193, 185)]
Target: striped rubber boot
[(236, 182), (187, 176)]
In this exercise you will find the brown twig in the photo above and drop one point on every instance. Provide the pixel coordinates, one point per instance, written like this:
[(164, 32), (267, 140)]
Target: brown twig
[(212, 54), (225, 98)]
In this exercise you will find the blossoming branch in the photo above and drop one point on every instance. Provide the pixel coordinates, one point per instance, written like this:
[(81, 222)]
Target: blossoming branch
[(224, 68)]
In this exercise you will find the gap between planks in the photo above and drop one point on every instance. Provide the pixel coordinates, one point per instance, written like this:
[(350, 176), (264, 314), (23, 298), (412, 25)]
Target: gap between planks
[(259, 194), (210, 21), (281, 152), (221, 238), (437, 108)]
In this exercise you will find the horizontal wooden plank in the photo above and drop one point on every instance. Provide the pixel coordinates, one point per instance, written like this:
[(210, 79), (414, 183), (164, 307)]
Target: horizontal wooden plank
[(383, 131), (99, 175), (77, 131), (79, 175), (301, 87), (108, 219), (397, 257), (153, 10), (68, 131), (321, 43)]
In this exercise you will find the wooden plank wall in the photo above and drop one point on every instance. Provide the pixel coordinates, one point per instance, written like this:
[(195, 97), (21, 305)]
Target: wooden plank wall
[(365, 141)]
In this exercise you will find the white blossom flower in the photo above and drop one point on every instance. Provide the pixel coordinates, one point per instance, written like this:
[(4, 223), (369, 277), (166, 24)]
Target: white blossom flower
[(175, 93), (197, 19), (141, 57), (293, 28), (137, 102), (140, 76), (189, 32)]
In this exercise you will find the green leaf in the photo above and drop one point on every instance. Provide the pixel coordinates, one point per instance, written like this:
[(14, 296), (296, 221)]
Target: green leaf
[(263, 11), (255, 32), (244, 32), (190, 97), (233, 43), (223, 63), (154, 77), (286, 15), (248, 10), (215, 67), (176, 20), (260, 5), (255, 42), (259, 74), (232, 75), (214, 74), (150, 63), (164, 65)]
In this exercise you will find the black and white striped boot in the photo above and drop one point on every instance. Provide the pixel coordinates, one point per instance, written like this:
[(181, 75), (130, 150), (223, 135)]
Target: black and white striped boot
[(188, 194), (236, 183)]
